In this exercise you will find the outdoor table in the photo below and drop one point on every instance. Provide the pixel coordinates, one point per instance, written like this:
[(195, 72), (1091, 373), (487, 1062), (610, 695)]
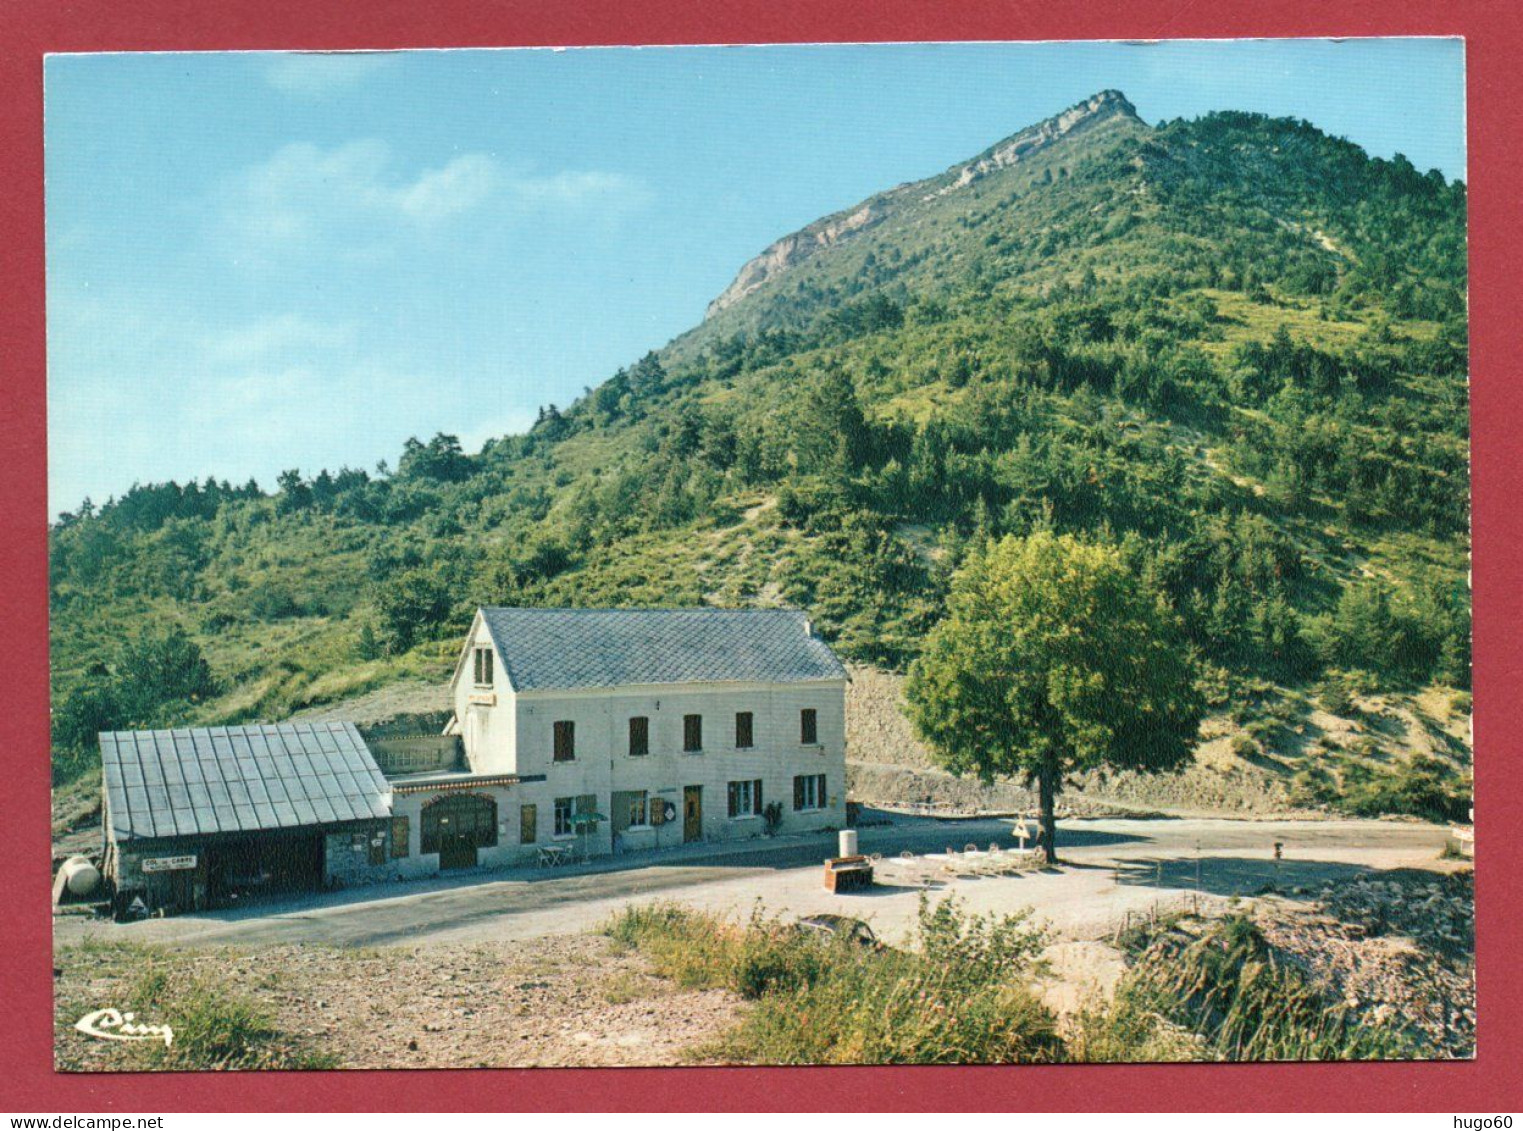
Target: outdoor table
[(552, 854), (976, 861), (942, 861)]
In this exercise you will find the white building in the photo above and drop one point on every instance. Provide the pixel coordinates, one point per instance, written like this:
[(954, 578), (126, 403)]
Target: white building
[(589, 731), (616, 730)]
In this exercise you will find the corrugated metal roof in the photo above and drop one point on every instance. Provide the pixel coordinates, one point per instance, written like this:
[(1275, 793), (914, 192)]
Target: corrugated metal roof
[(562, 649), (205, 780)]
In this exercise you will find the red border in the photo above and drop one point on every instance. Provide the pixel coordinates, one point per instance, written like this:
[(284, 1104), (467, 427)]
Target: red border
[(32, 27)]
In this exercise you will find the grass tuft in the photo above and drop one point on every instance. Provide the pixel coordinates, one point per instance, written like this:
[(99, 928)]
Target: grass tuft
[(963, 996)]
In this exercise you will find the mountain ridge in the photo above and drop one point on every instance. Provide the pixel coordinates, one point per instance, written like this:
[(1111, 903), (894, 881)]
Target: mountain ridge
[(829, 231)]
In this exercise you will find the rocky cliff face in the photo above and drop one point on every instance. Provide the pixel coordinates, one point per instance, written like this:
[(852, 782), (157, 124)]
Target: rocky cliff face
[(793, 249), (1102, 107)]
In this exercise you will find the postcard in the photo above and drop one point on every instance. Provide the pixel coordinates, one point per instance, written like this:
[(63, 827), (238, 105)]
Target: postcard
[(779, 555)]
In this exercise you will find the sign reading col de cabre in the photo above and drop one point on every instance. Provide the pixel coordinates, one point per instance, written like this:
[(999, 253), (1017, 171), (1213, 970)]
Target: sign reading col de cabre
[(169, 863)]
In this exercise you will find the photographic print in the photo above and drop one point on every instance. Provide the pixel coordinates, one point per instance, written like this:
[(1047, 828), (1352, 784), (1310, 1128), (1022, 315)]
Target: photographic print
[(774, 555)]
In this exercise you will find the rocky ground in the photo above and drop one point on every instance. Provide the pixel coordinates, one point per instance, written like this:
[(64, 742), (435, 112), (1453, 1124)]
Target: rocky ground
[(1399, 948), (574, 1000), (407, 706), (888, 765)]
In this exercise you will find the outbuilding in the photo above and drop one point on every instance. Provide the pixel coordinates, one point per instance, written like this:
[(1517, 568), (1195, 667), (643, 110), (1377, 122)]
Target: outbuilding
[(202, 817)]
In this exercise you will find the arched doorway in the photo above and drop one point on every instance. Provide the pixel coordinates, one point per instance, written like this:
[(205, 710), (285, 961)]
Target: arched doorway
[(458, 824)]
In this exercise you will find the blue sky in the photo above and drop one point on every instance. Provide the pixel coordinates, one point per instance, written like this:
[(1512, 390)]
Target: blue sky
[(263, 261)]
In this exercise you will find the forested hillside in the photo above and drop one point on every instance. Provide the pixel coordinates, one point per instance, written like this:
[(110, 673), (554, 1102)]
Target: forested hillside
[(1233, 345)]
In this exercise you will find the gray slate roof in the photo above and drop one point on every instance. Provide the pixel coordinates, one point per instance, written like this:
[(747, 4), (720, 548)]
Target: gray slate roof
[(162, 783), (564, 649)]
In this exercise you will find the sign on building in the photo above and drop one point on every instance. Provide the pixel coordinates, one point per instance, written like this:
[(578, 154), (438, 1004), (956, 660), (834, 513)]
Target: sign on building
[(169, 863)]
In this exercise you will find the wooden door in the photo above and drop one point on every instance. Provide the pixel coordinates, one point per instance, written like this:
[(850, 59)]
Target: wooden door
[(692, 813), (528, 821), (182, 889), (456, 825), (457, 852)]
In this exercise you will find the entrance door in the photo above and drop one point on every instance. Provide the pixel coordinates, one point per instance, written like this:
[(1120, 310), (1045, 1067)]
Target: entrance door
[(692, 813), (456, 825), (182, 889), (261, 863), (457, 852)]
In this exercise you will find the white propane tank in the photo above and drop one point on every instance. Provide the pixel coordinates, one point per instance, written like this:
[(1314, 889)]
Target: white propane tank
[(80, 876), (848, 842)]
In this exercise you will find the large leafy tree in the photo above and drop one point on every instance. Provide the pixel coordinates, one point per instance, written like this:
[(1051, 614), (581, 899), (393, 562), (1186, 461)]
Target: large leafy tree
[(1054, 658)]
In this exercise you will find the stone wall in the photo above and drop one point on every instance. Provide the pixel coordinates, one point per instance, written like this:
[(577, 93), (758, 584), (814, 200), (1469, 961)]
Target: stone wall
[(348, 860)]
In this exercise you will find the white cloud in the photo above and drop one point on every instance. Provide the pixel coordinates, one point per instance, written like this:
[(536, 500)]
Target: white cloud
[(577, 189), (457, 187), (352, 200), (506, 421), (313, 74), (135, 395), (278, 335)]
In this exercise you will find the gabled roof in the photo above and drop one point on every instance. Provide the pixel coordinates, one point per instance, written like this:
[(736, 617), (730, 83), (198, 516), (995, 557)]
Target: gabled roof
[(568, 649), (162, 783)]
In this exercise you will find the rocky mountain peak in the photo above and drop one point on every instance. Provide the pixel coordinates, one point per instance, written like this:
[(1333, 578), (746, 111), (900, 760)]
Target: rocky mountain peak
[(793, 249)]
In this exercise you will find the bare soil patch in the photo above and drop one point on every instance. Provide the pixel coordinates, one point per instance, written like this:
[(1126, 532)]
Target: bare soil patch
[(574, 1000)]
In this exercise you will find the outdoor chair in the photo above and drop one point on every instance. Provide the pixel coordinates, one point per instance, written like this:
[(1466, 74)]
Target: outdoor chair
[(945, 862), (999, 862), (961, 863), (976, 862), (1030, 859), (988, 863)]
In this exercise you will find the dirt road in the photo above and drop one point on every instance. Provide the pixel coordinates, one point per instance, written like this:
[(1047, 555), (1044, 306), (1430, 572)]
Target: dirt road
[(1111, 868)]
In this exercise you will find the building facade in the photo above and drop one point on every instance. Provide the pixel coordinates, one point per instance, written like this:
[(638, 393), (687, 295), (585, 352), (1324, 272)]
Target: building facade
[(575, 733), (612, 731)]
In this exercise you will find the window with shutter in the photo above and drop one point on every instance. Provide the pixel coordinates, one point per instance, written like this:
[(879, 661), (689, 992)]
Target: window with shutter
[(565, 741), (809, 791), (483, 668), (639, 736), (743, 730), (637, 808), (692, 734), (745, 798), (563, 810), (809, 726)]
